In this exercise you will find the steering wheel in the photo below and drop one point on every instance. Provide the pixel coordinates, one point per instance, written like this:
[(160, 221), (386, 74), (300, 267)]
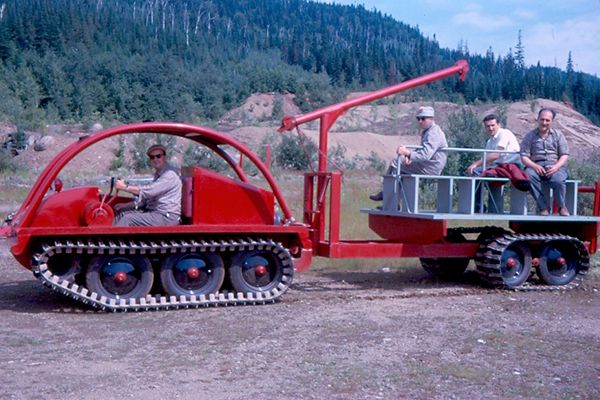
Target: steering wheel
[(113, 181)]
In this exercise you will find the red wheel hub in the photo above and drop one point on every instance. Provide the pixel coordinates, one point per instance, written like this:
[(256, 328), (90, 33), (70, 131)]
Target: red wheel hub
[(193, 273), (511, 262), (561, 261), (260, 270), (120, 277)]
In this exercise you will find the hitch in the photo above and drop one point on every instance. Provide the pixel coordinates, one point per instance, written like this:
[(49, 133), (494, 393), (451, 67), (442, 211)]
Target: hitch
[(6, 228), (5, 231)]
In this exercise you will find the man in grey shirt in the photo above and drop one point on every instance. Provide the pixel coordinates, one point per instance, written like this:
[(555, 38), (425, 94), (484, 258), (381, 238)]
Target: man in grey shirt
[(544, 152), (429, 159), (158, 203)]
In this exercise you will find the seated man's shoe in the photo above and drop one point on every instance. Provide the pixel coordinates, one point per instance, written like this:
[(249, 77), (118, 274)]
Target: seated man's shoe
[(564, 212), (544, 212), (376, 196)]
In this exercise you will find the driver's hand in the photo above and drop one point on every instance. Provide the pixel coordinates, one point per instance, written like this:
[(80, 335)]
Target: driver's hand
[(120, 184)]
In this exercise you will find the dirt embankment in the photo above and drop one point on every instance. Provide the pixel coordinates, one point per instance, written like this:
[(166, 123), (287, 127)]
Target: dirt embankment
[(362, 130)]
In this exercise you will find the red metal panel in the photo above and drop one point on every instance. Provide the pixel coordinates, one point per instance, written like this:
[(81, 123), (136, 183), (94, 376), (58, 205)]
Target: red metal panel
[(221, 200), (407, 229), (335, 206), (383, 249), (309, 187), (65, 209)]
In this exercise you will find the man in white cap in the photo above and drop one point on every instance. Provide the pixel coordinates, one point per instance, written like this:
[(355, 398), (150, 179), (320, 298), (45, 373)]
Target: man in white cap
[(158, 203), (429, 159)]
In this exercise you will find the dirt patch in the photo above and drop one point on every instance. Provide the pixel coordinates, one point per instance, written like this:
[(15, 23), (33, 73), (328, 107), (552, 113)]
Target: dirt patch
[(339, 334)]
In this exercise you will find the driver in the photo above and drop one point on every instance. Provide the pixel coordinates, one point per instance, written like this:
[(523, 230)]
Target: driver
[(158, 203)]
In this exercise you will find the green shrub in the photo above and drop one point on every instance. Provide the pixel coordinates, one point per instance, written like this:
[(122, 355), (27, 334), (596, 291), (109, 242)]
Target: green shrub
[(466, 131), (119, 161), (6, 162), (196, 155), (291, 154), (588, 172)]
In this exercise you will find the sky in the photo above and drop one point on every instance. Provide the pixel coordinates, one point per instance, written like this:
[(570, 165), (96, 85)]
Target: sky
[(549, 28)]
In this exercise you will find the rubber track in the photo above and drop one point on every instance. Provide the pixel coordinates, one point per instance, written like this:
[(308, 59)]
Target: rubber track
[(152, 303), (489, 254)]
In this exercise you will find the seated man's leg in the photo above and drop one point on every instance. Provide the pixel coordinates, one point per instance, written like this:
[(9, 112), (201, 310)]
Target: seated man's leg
[(478, 190), (557, 183), (392, 169), (139, 218), (495, 198), (536, 190)]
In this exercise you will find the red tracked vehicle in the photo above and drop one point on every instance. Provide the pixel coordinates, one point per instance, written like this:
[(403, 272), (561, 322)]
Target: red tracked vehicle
[(229, 229)]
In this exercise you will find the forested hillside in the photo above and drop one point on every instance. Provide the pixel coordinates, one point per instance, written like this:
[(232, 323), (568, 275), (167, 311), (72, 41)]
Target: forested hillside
[(192, 60)]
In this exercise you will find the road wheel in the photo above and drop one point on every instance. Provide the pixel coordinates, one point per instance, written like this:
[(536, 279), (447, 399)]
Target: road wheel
[(558, 262), (120, 276), (66, 266), (192, 274), (255, 271), (515, 264)]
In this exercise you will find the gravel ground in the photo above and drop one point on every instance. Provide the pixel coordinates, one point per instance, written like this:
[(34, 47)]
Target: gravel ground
[(378, 334)]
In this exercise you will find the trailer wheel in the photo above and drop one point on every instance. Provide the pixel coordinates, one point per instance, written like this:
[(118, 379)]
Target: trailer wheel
[(558, 262), (192, 274), (255, 271), (447, 268), (120, 277), (515, 264)]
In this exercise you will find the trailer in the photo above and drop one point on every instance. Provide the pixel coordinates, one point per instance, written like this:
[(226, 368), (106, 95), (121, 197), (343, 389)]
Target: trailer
[(232, 248)]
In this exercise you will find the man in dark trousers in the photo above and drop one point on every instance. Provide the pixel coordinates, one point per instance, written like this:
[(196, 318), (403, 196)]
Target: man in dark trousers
[(158, 203), (545, 152)]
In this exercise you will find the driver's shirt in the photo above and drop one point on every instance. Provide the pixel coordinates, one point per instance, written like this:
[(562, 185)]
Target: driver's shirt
[(163, 194)]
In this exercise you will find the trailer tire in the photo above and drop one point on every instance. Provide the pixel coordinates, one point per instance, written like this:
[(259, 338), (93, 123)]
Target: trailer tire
[(559, 262), (447, 268), (515, 264)]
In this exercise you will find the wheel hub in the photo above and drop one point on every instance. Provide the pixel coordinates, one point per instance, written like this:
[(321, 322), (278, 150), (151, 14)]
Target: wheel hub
[(260, 270), (120, 277), (193, 273)]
